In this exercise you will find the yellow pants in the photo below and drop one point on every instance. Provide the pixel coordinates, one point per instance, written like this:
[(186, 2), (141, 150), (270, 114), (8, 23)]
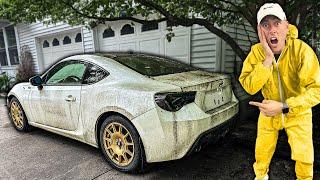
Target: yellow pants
[(300, 141)]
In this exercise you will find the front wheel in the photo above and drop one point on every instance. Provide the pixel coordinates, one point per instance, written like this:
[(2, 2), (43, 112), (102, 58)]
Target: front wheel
[(121, 144), (17, 116)]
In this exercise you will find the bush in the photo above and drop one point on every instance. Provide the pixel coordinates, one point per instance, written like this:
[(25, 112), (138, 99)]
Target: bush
[(26, 67), (5, 83)]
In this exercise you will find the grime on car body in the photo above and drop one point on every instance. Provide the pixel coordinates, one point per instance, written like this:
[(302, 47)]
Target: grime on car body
[(137, 108)]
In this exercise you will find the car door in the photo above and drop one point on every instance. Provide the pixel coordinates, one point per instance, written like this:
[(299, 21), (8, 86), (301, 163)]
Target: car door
[(57, 104)]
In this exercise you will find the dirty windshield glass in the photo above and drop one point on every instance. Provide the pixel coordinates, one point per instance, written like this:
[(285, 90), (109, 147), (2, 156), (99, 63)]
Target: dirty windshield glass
[(153, 66)]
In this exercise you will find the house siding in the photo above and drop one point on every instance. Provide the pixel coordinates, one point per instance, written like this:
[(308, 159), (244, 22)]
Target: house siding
[(203, 48), (245, 37)]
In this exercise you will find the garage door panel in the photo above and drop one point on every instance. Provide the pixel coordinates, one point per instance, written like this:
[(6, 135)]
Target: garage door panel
[(153, 42), (48, 62), (52, 54), (150, 46), (128, 46), (177, 46), (108, 47)]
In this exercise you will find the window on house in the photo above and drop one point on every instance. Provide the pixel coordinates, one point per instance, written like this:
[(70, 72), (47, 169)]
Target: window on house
[(78, 38), (108, 33), (12, 45), (127, 29), (45, 44), (66, 40), (3, 54), (55, 42), (149, 27), (8, 46)]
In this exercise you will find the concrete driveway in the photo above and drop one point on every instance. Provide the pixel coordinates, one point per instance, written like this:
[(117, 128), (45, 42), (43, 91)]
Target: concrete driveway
[(43, 155)]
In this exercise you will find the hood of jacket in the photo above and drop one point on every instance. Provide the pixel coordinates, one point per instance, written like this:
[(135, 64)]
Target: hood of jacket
[(293, 32)]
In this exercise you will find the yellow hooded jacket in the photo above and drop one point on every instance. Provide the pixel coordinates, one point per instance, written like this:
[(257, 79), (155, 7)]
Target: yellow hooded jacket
[(298, 71)]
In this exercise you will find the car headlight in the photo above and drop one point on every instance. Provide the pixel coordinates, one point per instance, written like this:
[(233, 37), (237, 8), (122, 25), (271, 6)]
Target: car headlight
[(174, 101)]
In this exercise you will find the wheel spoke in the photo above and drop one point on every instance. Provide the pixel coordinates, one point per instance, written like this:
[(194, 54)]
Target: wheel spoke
[(125, 159), (109, 140), (125, 136), (18, 122), (120, 159), (129, 152), (129, 144), (120, 129), (116, 157), (108, 132), (111, 152), (114, 128)]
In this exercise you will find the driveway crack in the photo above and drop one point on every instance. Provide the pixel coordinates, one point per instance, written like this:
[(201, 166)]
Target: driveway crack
[(101, 174)]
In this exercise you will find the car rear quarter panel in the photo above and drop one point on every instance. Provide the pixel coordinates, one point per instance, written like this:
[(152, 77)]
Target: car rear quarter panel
[(130, 98)]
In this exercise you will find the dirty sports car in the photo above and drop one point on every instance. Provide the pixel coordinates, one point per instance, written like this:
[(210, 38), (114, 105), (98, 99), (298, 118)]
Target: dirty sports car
[(137, 108)]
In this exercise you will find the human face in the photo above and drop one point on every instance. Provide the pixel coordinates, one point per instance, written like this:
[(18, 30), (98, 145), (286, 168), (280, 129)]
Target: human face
[(275, 32)]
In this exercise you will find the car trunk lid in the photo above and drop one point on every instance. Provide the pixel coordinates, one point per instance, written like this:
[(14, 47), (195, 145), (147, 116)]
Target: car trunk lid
[(213, 89)]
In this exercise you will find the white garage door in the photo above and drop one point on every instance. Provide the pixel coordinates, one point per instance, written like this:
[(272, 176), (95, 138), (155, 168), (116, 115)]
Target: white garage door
[(59, 46), (124, 36)]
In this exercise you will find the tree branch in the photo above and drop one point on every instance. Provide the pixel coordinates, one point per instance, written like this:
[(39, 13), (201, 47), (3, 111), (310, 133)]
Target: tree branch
[(103, 19)]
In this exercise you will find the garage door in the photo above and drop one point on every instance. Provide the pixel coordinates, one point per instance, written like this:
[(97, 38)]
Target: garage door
[(151, 38), (59, 46)]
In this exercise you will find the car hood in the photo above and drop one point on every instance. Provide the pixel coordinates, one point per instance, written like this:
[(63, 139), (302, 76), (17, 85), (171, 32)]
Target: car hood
[(195, 80)]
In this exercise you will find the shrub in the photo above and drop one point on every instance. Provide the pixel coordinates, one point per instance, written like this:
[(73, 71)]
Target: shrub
[(5, 83), (26, 67)]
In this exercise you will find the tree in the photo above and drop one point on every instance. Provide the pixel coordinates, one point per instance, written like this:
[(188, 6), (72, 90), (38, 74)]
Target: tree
[(212, 14)]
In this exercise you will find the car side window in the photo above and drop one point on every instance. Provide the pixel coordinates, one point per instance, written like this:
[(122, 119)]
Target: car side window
[(94, 74), (66, 73)]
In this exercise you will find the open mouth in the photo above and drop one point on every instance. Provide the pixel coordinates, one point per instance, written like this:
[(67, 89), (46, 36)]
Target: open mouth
[(274, 40)]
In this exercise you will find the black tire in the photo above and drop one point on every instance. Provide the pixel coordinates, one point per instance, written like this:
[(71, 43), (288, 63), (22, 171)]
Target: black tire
[(17, 116), (112, 142)]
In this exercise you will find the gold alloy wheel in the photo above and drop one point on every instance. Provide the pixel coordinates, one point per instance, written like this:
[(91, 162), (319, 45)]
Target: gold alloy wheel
[(118, 144), (16, 114)]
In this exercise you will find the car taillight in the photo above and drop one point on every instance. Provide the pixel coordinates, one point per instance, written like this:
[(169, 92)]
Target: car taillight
[(174, 101)]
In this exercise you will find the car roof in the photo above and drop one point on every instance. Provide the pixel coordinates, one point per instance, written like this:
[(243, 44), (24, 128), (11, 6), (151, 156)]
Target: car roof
[(110, 55), (100, 59)]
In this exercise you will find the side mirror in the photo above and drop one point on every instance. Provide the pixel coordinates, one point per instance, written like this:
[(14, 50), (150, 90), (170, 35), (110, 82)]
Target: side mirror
[(36, 81)]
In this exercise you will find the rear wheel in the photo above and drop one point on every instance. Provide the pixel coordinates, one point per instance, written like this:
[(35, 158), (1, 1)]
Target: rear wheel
[(17, 116), (121, 144)]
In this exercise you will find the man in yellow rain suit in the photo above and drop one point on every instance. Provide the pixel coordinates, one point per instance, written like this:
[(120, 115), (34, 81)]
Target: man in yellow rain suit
[(286, 70)]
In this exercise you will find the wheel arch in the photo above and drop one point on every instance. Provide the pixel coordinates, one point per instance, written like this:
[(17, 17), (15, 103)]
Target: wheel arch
[(11, 96), (105, 115)]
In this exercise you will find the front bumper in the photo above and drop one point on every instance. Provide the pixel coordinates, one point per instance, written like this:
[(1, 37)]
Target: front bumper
[(170, 135)]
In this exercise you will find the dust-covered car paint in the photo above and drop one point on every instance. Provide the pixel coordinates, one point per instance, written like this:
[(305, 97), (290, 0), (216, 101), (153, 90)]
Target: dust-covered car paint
[(76, 111)]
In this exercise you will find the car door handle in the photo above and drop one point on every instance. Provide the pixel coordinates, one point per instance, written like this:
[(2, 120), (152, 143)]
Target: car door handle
[(70, 98)]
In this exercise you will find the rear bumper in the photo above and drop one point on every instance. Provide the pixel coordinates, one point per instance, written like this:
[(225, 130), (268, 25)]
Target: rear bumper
[(213, 135), (168, 136)]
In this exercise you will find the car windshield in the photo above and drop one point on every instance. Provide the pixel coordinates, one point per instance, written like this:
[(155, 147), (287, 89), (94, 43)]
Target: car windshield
[(152, 65)]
